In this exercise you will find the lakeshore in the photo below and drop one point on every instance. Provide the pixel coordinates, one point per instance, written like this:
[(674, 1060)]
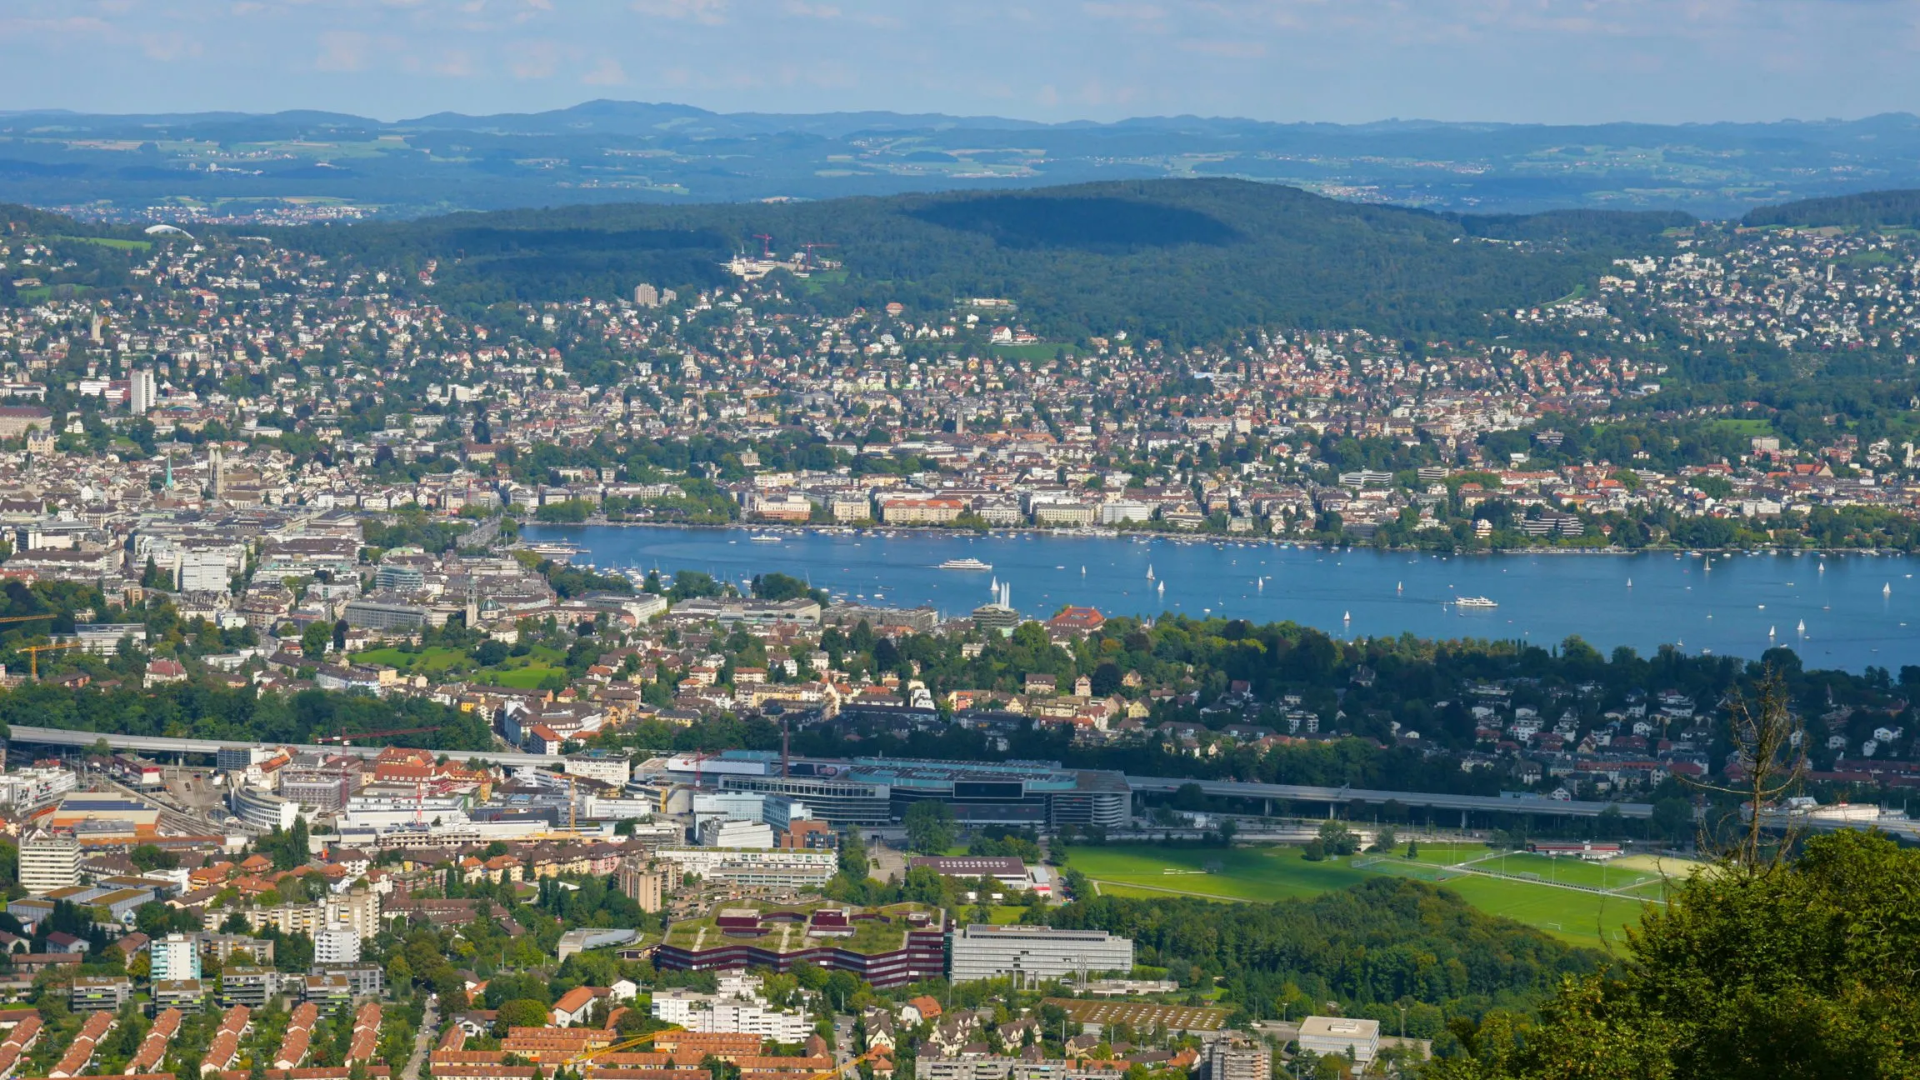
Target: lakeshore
[(1844, 610)]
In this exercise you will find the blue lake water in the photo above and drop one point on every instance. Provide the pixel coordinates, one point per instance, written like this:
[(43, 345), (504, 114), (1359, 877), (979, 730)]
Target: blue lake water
[(1857, 609)]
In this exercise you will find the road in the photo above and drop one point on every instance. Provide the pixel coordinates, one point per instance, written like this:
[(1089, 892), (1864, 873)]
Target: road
[(423, 1039), (1241, 789)]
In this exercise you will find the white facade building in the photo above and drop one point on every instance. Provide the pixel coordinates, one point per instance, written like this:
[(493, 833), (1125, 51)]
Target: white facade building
[(49, 862), (176, 956), (1031, 953), (779, 868), (336, 946)]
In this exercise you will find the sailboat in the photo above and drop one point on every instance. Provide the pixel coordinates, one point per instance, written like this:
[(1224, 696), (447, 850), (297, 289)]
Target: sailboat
[(1149, 571), (1629, 583), (1887, 589), (1260, 584), (1802, 628), (1346, 616), (1769, 633), (1399, 586), (1161, 588), (1083, 570)]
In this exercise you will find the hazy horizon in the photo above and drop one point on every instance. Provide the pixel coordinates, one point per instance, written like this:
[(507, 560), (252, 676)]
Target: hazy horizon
[(1485, 61)]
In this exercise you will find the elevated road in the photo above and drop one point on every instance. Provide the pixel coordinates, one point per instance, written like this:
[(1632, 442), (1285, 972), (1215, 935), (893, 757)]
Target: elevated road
[(161, 744), (1241, 789), (1236, 789)]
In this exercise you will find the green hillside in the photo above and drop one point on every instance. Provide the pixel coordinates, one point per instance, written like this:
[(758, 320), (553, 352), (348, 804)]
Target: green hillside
[(1184, 260), (1876, 209)]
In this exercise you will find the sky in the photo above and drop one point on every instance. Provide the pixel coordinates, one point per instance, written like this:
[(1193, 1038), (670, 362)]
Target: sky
[(1550, 61)]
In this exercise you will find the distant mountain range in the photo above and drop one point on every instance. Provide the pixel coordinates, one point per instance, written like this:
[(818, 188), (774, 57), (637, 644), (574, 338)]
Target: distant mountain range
[(298, 165)]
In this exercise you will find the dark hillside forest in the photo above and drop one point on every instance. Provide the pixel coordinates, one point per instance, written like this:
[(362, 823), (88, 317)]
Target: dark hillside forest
[(1872, 209), (1187, 261)]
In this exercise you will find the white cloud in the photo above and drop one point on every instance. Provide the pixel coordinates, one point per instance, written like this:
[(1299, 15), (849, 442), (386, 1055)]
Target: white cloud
[(706, 12), (607, 72)]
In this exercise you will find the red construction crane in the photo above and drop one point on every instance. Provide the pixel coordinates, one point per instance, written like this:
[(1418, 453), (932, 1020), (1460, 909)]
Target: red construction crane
[(810, 259), (766, 244)]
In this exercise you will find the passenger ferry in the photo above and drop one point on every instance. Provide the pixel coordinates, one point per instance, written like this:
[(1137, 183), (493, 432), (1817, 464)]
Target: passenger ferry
[(1475, 602), (964, 564)]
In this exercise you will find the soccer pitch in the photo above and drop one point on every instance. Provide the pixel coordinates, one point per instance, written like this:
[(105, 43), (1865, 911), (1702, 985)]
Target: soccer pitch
[(1577, 915)]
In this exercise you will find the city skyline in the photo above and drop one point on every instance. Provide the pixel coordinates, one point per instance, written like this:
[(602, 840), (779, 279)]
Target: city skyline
[(1281, 60)]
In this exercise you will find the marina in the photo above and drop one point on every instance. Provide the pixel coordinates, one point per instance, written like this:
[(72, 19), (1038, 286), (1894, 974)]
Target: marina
[(1847, 611)]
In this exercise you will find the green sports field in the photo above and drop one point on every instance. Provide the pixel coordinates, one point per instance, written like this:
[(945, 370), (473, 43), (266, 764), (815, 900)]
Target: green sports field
[(1583, 917)]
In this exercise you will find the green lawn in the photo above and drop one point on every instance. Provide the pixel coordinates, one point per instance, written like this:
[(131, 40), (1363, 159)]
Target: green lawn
[(524, 678), (1142, 871), (434, 658)]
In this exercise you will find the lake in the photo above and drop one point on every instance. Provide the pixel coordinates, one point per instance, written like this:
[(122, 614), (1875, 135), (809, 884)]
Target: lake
[(1857, 609)]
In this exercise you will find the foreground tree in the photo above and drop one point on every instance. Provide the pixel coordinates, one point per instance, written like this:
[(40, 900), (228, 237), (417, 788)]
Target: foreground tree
[(1796, 969)]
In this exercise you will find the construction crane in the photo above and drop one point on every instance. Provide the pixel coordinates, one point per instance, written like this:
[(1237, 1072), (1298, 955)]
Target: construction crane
[(811, 262), (766, 244), (33, 653), (834, 1073), (26, 618), (578, 1062)]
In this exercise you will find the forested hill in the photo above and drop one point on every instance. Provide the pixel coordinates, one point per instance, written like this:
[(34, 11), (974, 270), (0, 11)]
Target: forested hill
[(1876, 209), (1189, 261)]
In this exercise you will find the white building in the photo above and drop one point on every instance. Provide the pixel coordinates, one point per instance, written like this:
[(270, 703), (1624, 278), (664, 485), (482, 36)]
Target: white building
[(715, 832), (34, 787), (142, 394), (1356, 1040), (1033, 953), (49, 862), (737, 1009), (336, 946), (776, 869), (606, 768), (176, 956)]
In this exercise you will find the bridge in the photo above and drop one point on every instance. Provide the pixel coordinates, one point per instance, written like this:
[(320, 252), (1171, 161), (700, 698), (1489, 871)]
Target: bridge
[(1233, 789), (162, 744), (1333, 796)]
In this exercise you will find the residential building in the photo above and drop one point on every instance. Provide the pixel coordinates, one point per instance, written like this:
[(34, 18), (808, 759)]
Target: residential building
[(1034, 953)]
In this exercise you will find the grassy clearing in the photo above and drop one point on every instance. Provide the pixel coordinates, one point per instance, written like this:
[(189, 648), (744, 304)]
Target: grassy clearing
[(1738, 426), (110, 242), (1256, 874), (523, 678), (435, 658)]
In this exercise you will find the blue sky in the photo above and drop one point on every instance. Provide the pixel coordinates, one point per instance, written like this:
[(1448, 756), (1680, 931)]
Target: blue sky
[(1571, 61)]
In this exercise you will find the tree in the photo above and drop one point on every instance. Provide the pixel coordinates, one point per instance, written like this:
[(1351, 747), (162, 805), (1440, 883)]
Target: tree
[(853, 855), (521, 1012), (1337, 839), (930, 827), (1788, 969), (314, 639)]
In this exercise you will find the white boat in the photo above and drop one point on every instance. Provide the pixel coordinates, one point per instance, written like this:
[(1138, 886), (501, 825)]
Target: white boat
[(1802, 628), (1475, 602), (1887, 589), (1161, 588), (1346, 616), (964, 564), (1629, 583), (1149, 571), (762, 539)]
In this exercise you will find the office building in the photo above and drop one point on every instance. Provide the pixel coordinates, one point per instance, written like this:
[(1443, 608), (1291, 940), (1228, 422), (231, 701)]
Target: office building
[(1356, 1040), (878, 791), (773, 869), (1030, 954), (175, 957), (49, 861)]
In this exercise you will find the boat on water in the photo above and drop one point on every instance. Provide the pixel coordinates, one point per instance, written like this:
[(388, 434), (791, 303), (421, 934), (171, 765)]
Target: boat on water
[(1475, 602), (764, 539), (965, 564)]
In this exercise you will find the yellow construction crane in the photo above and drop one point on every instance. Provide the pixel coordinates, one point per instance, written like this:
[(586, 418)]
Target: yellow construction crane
[(578, 1062), (26, 618), (33, 653), (833, 1073)]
